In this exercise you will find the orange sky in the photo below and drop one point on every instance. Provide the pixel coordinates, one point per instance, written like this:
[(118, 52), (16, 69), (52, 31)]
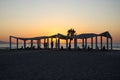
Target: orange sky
[(31, 18)]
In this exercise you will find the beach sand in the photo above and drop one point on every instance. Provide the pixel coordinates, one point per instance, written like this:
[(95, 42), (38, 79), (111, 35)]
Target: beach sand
[(59, 65)]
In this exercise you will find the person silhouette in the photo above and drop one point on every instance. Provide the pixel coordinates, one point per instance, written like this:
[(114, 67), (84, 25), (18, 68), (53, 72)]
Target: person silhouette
[(88, 48), (62, 48), (103, 48)]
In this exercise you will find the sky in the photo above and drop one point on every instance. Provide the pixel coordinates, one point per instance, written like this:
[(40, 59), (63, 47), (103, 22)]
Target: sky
[(31, 18)]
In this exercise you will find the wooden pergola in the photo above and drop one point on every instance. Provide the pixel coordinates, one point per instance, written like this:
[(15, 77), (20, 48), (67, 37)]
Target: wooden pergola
[(84, 38), (59, 36)]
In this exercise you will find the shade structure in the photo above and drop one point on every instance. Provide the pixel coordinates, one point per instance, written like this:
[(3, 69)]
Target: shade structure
[(59, 36)]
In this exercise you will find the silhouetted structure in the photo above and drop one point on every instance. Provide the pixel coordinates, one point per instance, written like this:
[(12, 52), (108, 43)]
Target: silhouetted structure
[(59, 36)]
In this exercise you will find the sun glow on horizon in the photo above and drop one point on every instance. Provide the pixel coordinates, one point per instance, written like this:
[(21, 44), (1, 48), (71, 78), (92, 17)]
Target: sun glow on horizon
[(32, 18)]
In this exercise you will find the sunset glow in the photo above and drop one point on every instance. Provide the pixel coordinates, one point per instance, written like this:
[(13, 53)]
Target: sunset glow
[(31, 18)]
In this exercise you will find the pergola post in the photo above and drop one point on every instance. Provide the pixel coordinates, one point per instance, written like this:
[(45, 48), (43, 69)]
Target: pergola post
[(44, 43), (38, 44), (44, 40), (52, 44), (101, 41), (24, 44), (96, 42), (66, 43), (111, 43), (31, 43), (86, 43), (75, 43), (47, 42), (58, 43), (10, 39), (83, 43), (92, 42), (17, 42), (107, 43)]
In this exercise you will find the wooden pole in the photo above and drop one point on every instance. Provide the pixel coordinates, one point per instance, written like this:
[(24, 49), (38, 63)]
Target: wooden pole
[(92, 42), (107, 42), (86, 43), (47, 42), (101, 42), (51, 42), (83, 43), (75, 43), (24, 44), (31, 43), (38, 44), (17, 42), (96, 42), (10, 39), (66, 43), (58, 43), (44, 43), (111, 44)]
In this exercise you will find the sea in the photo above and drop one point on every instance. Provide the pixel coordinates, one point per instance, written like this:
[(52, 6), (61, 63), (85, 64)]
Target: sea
[(116, 46)]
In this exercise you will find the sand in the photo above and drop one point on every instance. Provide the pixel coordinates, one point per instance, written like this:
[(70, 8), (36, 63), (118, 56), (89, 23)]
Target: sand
[(59, 65)]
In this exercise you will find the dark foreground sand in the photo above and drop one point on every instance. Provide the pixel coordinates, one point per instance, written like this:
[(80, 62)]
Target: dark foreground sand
[(59, 65)]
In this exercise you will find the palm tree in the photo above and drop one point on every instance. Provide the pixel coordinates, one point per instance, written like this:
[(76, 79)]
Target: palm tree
[(71, 32)]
